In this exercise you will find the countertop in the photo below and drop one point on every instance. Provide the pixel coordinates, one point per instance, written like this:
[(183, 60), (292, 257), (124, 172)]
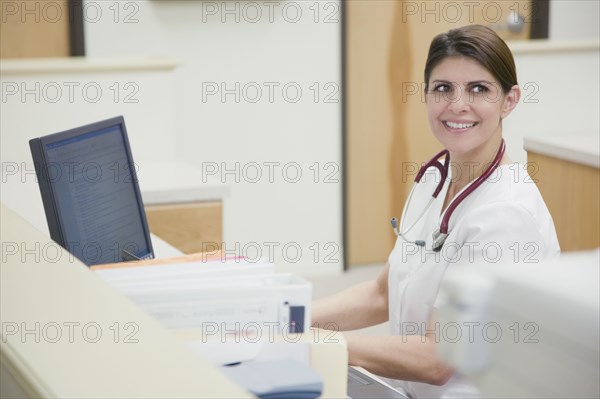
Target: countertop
[(168, 182), (583, 148)]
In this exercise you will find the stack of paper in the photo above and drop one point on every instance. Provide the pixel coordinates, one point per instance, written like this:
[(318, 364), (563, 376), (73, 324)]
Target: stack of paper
[(220, 297)]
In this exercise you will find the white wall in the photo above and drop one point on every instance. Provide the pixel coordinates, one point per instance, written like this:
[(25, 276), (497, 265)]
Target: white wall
[(255, 45), (560, 94), (574, 19), (559, 79), (41, 97)]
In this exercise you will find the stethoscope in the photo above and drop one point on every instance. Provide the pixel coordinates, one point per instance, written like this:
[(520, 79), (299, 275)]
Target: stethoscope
[(439, 236)]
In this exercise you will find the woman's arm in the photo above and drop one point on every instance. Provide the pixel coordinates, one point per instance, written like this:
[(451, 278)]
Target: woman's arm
[(408, 357), (412, 358), (359, 306)]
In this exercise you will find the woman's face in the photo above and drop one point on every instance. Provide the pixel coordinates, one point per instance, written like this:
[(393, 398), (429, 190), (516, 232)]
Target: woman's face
[(466, 105)]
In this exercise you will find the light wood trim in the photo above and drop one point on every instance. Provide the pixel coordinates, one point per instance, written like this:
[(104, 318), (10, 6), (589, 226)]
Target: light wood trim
[(34, 29), (195, 257), (401, 67), (369, 130), (572, 193), (189, 227)]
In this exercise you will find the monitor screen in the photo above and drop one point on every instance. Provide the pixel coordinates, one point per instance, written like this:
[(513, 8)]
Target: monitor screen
[(90, 193)]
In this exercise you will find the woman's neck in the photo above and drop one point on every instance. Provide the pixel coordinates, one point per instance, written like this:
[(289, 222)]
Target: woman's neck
[(466, 169)]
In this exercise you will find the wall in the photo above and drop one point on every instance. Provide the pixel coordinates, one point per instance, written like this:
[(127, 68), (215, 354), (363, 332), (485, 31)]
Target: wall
[(574, 19), (257, 103), (560, 93), (45, 96)]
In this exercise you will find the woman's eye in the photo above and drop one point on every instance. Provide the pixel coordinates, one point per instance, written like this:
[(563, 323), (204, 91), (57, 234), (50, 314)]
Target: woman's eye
[(442, 88), (479, 89)]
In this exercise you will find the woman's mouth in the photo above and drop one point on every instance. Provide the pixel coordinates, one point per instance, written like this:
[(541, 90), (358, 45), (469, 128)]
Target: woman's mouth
[(459, 125)]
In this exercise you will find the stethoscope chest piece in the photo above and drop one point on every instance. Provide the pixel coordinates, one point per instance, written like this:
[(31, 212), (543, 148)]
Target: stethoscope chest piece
[(438, 240)]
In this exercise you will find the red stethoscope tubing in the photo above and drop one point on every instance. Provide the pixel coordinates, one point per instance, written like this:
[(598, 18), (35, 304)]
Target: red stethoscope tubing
[(443, 169)]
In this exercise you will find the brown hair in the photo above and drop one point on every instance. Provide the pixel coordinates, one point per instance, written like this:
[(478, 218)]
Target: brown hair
[(479, 43)]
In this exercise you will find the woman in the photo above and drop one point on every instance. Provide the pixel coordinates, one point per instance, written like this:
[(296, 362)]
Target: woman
[(495, 213)]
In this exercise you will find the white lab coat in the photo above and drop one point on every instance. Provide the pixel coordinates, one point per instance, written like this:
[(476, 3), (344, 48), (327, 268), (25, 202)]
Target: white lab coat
[(503, 220)]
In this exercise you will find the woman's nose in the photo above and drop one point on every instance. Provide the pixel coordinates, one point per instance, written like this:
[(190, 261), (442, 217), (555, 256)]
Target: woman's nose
[(459, 104)]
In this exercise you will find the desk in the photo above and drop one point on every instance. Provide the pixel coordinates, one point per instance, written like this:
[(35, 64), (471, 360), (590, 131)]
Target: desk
[(567, 172)]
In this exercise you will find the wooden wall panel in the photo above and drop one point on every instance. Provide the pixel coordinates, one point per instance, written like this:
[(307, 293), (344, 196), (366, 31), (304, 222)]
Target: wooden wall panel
[(369, 130), (191, 227), (572, 193), (31, 29)]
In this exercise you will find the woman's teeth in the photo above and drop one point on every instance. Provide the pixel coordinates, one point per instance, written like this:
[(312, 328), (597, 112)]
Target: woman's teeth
[(454, 125)]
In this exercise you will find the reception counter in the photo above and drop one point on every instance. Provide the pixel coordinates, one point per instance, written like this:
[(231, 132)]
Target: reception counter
[(67, 334)]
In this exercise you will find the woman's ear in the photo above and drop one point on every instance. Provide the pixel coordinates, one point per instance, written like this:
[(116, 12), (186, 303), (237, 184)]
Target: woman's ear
[(511, 100)]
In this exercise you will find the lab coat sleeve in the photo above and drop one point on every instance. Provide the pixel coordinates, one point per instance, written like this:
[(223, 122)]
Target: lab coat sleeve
[(504, 232)]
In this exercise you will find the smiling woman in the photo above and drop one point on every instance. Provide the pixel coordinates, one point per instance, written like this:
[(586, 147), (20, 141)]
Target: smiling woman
[(467, 120), (471, 86), (488, 211)]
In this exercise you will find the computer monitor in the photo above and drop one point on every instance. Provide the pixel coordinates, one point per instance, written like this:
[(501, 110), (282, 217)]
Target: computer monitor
[(90, 193)]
